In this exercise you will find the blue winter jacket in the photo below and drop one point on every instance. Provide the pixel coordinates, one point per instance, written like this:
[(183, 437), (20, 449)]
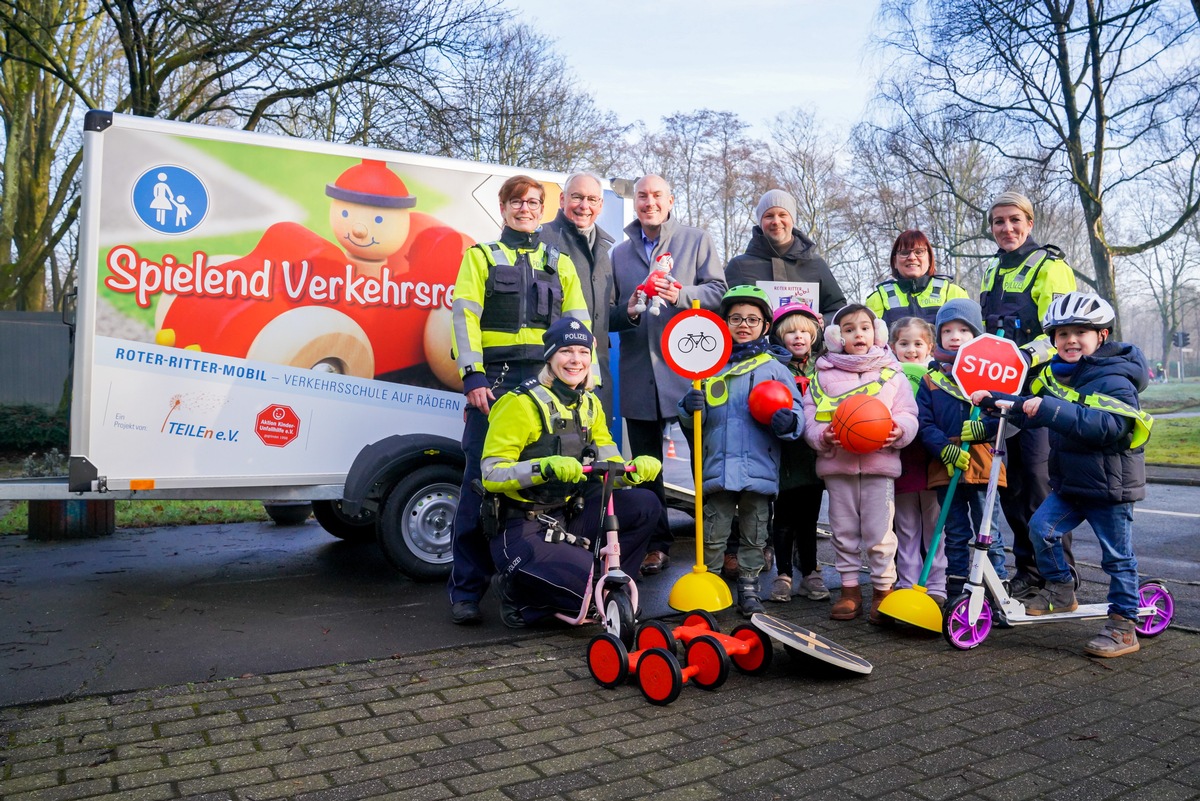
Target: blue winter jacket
[(739, 452), (1090, 455)]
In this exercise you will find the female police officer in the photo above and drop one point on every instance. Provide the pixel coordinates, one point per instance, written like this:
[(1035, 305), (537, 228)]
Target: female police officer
[(532, 459), (1018, 286), (916, 288), (507, 294)]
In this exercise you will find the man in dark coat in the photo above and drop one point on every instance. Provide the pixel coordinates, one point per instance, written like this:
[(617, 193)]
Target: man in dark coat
[(779, 253), (575, 233)]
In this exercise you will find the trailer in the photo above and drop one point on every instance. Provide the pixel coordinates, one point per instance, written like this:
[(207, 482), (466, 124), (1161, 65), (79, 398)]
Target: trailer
[(254, 312)]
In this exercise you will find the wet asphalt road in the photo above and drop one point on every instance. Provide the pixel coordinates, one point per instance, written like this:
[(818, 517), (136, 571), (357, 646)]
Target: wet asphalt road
[(145, 608)]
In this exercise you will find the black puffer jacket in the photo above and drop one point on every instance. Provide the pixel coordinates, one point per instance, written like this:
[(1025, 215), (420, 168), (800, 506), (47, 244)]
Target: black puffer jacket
[(1090, 455), (801, 263)]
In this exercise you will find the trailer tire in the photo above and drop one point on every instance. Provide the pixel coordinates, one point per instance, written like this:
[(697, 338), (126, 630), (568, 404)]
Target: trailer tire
[(417, 519), (351, 528)]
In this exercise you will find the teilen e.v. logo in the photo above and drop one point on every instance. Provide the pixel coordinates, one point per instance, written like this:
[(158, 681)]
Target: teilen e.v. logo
[(170, 199)]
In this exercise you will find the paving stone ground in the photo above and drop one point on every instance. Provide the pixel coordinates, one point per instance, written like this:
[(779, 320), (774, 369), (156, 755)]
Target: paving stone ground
[(1023, 716)]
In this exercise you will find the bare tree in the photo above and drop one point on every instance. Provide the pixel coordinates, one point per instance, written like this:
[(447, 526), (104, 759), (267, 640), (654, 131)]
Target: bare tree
[(39, 204), (1101, 95), (514, 103)]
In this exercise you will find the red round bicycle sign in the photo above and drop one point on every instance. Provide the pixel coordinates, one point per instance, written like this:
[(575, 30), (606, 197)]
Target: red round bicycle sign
[(696, 344)]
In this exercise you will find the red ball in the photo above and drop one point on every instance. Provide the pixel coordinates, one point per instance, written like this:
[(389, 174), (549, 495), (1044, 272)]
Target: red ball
[(862, 423), (767, 398)]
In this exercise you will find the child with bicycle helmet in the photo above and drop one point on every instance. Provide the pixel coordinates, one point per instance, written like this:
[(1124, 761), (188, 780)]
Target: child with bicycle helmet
[(741, 455), (1087, 396)]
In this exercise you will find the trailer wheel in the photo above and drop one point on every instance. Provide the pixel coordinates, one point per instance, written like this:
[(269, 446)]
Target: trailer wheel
[(416, 521), (351, 528)]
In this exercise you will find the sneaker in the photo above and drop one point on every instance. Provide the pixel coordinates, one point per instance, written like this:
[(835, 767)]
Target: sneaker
[(1022, 587), (465, 613), (813, 587), (655, 562), (510, 614), (1117, 638), (1054, 597), (781, 590), (730, 568), (747, 597)]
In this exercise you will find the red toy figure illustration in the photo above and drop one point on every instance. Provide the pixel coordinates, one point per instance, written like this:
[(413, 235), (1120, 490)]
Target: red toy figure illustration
[(330, 308)]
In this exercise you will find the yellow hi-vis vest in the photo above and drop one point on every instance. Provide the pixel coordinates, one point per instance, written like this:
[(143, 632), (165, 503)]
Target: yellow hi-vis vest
[(1142, 421), (947, 384), (826, 404), (715, 390)]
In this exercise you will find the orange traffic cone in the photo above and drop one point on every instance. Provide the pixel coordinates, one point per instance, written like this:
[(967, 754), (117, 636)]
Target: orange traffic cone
[(670, 449)]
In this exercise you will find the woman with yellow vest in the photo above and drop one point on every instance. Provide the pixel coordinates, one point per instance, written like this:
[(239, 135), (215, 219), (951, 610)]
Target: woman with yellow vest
[(915, 288), (508, 293), (539, 436), (1019, 284)]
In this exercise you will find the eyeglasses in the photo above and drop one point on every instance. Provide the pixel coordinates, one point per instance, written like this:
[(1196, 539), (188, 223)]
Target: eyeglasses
[(918, 252), (736, 319), (592, 200), (532, 203)]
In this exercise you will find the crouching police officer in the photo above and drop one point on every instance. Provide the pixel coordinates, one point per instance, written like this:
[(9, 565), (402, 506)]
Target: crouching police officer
[(540, 517)]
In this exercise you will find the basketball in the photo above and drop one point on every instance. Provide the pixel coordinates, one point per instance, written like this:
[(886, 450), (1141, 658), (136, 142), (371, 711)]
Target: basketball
[(767, 398), (862, 423)]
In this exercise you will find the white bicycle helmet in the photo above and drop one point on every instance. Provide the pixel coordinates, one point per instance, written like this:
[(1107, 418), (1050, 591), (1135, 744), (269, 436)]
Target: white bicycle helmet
[(1079, 308)]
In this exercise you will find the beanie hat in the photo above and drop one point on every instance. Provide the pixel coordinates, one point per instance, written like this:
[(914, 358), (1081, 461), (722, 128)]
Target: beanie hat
[(773, 198), (965, 311), (564, 332)]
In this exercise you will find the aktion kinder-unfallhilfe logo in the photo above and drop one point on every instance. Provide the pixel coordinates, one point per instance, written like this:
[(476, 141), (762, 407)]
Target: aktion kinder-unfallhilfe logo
[(170, 199)]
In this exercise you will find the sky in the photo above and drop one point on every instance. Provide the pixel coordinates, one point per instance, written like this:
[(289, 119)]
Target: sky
[(646, 59)]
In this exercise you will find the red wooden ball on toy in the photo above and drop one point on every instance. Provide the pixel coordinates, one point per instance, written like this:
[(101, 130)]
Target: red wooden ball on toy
[(862, 423), (767, 398)]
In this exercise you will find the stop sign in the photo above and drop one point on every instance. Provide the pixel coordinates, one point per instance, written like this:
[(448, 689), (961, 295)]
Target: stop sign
[(277, 425), (989, 362)]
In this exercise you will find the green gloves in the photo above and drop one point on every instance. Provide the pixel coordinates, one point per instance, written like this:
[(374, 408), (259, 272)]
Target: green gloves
[(564, 468), (645, 468), (974, 431), (955, 457)]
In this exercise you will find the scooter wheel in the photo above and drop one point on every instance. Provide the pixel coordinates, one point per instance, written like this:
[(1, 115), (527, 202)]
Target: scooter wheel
[(655, 634), (659, 676), (957, 628), (618, 617), (607, 659), (757, 660), (701, 619), (1154, 593), (705, 653)]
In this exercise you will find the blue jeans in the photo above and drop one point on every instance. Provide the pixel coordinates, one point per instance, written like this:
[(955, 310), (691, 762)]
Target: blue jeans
[(1113, 524), (964, 518)]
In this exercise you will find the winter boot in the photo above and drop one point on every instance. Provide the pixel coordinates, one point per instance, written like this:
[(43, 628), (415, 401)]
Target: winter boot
[(1117, 638), (874, 617), (1054, 597), (748, 602), (849, 606)]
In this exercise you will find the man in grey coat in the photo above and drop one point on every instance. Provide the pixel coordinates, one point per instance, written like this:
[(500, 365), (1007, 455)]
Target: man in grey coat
[(649, 388), (575, 232)]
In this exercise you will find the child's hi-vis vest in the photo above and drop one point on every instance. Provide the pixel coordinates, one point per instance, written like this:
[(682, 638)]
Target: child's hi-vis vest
[(939, 380), (715, 390), (826, 404), (1142, 421)]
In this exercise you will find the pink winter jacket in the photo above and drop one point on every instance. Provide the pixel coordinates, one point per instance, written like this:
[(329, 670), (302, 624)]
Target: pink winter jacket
[(896, 394)]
